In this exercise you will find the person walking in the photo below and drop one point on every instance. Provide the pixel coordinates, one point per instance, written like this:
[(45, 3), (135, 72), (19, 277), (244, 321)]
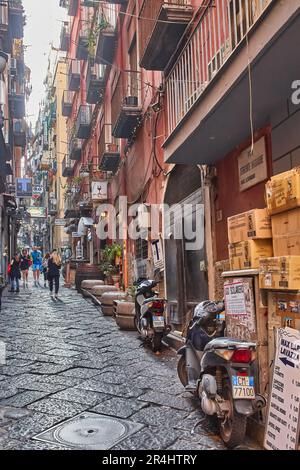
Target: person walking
[(45, 268), (24, 266), (37, 260), (54, 265), (15, 273)]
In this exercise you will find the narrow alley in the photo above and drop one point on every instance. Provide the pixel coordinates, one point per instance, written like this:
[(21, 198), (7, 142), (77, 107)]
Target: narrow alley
[(65, 358)]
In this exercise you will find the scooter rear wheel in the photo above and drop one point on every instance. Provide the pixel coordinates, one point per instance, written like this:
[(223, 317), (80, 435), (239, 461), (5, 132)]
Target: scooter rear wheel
[(156, 342), (233, 429)]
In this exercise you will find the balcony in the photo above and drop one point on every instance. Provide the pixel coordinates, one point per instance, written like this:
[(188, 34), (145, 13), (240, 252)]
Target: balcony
[(107, 37), (16, 19), (71, 212), (65, 37), (160, 37), (17, 104), (67, 167), (4, 18), (208, 104), (67, 103), (126, 111), (52, 208), (95, 83), (84, 121), (82, 51), (109, 151), (75, 148), (19, 134), (71, 5), (74, 75)]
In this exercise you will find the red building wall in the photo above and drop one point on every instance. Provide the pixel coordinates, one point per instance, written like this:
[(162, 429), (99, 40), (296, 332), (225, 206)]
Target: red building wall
[(229, 200)]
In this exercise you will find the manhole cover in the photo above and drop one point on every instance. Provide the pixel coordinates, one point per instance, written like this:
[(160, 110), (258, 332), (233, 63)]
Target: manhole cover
[(90, 431)]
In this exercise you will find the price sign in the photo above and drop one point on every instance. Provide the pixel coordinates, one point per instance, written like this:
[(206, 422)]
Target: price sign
[(282, 430)]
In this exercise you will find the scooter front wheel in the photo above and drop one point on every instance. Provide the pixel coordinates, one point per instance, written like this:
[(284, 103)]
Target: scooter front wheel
[(233, 427), (181, 371)]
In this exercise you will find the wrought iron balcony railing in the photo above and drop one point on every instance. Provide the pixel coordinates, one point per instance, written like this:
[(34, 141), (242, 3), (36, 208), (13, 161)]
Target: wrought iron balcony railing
[(74, 75), (221, 28), (107, 37), (159, 36), (67, 103), (84, 122), (65, 37), (95, 83)]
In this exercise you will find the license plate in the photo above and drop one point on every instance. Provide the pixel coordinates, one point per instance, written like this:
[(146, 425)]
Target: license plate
[(158, 322), (243, 387)]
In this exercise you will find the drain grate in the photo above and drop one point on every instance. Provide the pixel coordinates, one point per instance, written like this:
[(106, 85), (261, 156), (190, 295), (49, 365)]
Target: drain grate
[(90, 431)]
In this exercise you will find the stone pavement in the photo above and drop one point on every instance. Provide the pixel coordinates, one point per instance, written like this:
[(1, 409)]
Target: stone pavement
[(64, 358)]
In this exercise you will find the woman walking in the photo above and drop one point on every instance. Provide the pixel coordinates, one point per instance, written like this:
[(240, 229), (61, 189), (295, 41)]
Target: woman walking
[(45, 268), (54, 265), (24, 266), (15, 273)]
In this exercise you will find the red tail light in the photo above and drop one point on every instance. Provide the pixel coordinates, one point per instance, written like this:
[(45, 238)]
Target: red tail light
[(241, 356), (157, 304)]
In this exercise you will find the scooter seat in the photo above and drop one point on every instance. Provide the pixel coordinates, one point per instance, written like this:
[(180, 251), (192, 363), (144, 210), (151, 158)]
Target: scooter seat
[(228, 343), (152, 299)]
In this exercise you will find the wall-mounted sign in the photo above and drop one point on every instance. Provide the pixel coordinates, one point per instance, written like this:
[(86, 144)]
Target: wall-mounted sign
[(36, 190), (157, 254), (283, 424), (99, 190), (253, 166), (60, 222), (37, 212), (23, 187)]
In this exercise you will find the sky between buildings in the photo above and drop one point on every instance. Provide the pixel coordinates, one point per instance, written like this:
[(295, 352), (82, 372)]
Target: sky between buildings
[(43, 24)]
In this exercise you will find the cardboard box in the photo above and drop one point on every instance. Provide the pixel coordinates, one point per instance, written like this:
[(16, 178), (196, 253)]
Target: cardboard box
[(246, 254), (286, 233), (253, 224), (280, 273), (283, 191)]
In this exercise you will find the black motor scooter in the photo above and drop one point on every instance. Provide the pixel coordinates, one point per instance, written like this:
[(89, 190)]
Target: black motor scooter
[(150, 317), (221, 371)]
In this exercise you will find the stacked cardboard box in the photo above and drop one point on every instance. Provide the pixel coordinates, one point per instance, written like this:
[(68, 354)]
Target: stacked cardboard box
[(249, 237), (283, 202)]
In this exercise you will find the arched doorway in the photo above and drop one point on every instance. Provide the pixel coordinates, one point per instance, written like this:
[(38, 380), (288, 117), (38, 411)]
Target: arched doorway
[(185, 263)]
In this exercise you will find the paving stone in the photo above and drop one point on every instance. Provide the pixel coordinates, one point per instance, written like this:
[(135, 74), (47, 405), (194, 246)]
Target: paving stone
[(23, 399), (86, 397), (112, 389), (151, 438), (62, 353), (30, 426), (80, 373), (7, 391), (46, 368), (160, 398), (15, 413), (156, 415), (58, 407), (120, 407)]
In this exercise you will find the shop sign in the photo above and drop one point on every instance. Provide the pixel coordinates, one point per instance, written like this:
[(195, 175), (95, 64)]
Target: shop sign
[(157, 254), (282, 429), (37, 212), (37, 190), (60, 222), (99, 190), (23, 187), (253, 166)]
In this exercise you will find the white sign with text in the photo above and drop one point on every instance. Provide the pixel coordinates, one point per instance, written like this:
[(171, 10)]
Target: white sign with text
[(282, 429)]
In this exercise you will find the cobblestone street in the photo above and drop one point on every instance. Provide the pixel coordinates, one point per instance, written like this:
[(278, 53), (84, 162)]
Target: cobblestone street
[(64, 358)]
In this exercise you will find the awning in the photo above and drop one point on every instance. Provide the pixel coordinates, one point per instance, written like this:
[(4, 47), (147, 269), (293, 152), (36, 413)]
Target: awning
[(83, 223)]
